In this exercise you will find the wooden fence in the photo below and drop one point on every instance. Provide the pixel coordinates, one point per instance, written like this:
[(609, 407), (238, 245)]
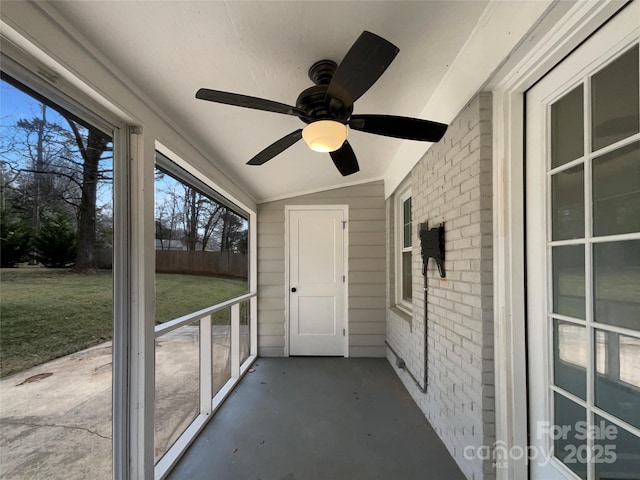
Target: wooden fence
[(202, 263)]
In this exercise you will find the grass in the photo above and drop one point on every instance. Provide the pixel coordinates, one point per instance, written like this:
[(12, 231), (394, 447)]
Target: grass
[(49, 313), (177, 295)]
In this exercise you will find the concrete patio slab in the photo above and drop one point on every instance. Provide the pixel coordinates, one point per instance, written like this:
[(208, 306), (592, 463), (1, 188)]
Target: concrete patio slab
[(55, 418)]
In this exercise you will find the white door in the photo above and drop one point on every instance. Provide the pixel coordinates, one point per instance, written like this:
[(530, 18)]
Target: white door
[(583, 260), (317, 280)]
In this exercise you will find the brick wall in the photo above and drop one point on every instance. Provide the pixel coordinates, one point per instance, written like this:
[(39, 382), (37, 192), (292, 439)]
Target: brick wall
[(452, 183)]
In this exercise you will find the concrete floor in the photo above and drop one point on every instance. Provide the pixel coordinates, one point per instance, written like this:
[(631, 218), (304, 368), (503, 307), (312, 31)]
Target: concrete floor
[(307, 418)]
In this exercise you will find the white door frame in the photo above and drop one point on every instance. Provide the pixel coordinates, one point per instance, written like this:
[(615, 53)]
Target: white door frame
[(571, 25), (599, 51), (287, 286)]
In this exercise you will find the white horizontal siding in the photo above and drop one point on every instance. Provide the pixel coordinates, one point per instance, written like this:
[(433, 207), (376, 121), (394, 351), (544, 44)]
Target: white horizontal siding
[(367, 244)]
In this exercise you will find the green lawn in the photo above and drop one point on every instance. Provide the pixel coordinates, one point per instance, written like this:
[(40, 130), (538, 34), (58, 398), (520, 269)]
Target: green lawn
[(48, 313)]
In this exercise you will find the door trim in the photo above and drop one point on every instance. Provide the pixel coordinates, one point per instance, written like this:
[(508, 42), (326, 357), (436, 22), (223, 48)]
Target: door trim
[(287, 286), (570, 26), (600, 50)]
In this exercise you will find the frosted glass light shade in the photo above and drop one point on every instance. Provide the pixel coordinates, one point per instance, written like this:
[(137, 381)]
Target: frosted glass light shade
[(325, 135)]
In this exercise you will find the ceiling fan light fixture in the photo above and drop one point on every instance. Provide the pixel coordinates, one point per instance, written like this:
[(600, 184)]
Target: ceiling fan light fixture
[(325, 135)]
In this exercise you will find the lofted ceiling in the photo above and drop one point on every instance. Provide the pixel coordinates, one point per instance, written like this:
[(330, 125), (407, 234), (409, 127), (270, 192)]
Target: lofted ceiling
[(170, 49)]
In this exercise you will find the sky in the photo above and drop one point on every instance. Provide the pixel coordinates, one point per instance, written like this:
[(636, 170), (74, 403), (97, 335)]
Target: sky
[(16, 105), (12, 103)]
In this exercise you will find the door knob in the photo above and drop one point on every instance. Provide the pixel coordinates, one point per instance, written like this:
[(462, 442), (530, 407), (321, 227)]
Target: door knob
[(294, 289)]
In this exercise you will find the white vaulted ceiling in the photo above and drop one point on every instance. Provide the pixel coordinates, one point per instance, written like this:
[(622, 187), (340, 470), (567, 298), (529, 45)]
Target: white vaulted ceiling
[(169, 49)]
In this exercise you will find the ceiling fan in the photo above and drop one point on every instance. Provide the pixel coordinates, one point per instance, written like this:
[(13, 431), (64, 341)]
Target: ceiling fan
[(327, 107)]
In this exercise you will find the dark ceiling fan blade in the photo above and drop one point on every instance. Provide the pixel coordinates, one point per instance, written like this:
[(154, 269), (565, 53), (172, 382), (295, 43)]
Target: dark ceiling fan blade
[(248, 102), (345, 160), (399, 127), (364, 63), (276, 148)]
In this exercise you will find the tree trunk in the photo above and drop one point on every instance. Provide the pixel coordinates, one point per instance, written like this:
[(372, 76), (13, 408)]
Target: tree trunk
[(39, 167), (209, 227), (96, 145), (192, 219), (224, 240)]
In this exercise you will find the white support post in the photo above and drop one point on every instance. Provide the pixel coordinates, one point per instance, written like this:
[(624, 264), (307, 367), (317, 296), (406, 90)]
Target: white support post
[(253, 325), (253, 285), (235, 340), (121, 302), (206, 367), (142, 359)]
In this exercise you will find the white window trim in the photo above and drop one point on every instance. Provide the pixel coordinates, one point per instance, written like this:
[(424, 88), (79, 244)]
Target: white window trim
[(403, 193)]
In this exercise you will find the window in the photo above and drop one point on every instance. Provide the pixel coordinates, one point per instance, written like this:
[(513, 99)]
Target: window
[(586, 275), (403, 250), (596, 330), (202, 264), (57, 284)]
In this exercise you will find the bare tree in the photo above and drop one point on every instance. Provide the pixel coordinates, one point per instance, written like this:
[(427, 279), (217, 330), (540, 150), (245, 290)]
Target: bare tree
[(55, 167), (33, 154), (92, 148), (212, 215), (201, 217), (205, 224)]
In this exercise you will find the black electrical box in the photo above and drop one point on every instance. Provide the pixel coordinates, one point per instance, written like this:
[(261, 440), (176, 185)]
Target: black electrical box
[(432, 244)]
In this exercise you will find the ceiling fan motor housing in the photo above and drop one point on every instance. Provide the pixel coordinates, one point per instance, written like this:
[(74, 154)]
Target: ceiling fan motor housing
[(322, 71), (313, 100)]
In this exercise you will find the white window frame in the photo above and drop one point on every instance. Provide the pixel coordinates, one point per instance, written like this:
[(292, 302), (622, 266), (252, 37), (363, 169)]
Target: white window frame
[(210, 401), (21, 66), (404, 194)]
